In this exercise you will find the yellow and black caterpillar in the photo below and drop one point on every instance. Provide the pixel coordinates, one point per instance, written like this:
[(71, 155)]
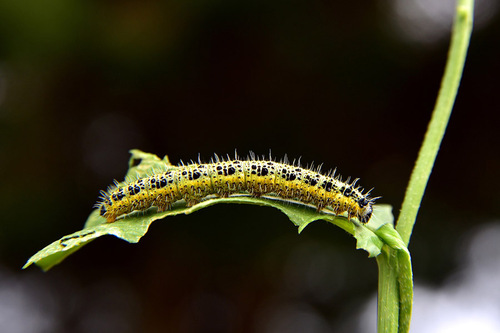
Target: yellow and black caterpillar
[(195, 181)]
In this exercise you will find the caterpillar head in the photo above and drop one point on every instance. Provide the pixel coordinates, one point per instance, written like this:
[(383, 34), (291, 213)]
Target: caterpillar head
[(366, 214), (366, 209)]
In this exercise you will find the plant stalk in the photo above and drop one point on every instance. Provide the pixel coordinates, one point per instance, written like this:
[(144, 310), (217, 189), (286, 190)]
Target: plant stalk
[(395, 292), (462, 29)]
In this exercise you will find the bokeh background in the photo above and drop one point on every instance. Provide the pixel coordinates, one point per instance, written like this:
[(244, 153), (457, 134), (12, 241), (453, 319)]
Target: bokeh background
[(345, 84)]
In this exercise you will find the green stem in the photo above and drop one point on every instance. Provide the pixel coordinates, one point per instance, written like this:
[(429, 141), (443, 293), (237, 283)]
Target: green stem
[(395, 282), (388, 292), (405, 283), (462, 29), (395, 274)]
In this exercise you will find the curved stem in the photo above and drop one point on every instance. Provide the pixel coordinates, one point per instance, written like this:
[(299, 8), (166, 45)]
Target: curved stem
[(462, 29)]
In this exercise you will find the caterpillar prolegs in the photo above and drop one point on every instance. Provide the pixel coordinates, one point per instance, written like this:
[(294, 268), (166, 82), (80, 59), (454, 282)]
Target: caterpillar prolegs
[(254, 176)]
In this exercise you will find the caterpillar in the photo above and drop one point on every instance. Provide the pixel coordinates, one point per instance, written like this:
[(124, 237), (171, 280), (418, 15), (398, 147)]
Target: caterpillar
[(195, 181)]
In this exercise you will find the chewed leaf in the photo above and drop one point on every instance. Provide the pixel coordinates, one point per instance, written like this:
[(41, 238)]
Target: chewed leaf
[(135, 225)]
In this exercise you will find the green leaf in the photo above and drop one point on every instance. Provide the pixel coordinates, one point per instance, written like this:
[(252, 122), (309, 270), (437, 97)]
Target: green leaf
[(132, 227)]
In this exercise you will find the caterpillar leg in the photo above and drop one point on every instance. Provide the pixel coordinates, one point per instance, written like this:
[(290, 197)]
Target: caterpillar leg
[(192, 202), (110, 219), (164, 207)]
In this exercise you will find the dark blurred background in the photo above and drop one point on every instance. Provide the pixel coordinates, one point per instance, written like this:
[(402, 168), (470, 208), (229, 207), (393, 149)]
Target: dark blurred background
[(335, 82)]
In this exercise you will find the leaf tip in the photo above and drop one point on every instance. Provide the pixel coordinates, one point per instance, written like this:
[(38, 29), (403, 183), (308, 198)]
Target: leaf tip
[(302, 227)]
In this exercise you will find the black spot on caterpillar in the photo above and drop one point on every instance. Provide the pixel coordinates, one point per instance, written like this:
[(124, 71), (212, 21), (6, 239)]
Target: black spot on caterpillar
[(193, 182)]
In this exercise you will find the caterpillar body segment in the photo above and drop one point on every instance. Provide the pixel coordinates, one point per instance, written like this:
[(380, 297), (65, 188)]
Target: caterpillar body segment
[(227, 177), (260, 177), (194, 183)]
